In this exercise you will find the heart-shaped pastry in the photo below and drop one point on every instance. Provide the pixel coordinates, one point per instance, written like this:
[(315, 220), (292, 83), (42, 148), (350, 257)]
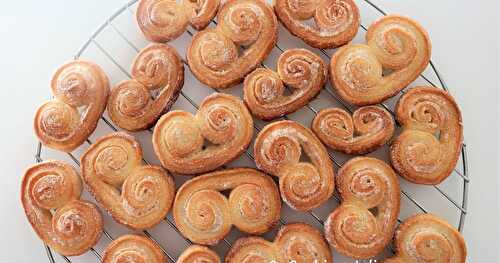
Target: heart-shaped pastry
[(50, 194), (427, 150), (362, 226), (204, 215), (80, 90), (297, 242), (336, 22), (366, 130), (428, 238), (278, 150), (398, 49), (165, 20), (158, 68), (214, 56), (133, 248), (135, 195), (201, 254), (300, 70), (220, 131)]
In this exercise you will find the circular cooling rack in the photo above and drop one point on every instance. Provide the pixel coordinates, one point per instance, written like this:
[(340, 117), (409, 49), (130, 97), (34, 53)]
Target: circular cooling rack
[(118, 40)]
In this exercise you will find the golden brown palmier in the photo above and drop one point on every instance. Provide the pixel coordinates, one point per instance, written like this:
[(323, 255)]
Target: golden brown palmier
[(165, 20), (394, 43), (364, 222), (427, 150), (204, 215), (366, 130), (222, 120), (278, 149), (201, 12), (50, 194), (336, 22), (80, 90), (198, 254), (135, 195), (133, 248), (130, 105), (428, 238), (297, 242), (213, 54), (299, 69)]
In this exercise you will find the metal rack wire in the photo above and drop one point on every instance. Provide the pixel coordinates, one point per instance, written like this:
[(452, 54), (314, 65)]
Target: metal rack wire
[(461, 171)]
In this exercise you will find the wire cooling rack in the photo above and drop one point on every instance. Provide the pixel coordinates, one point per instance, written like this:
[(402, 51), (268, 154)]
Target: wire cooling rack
[(118, 40)]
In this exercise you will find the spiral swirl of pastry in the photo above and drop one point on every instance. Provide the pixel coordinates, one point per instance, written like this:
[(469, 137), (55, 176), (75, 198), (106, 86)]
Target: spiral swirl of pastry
[(165, 20), (135, 195), (204, 215), (336, 22), (158, 66), (162, 20), (213, 53), (75, 225), (363, 224), (366, 130), (394, 43), (81, 91), (296, 242), (222, 120), (428, 238), (427, 150), (301, 70), (198, 254), (133, 248), (303, 185), (202, 12)]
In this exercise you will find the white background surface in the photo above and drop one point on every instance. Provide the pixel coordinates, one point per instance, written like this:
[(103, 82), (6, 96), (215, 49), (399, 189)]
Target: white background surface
[(37, 36)]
